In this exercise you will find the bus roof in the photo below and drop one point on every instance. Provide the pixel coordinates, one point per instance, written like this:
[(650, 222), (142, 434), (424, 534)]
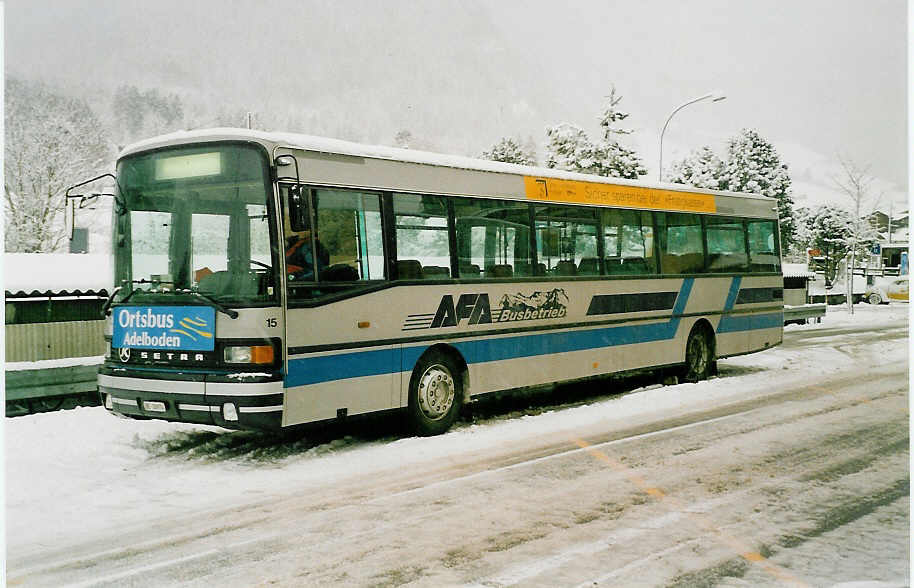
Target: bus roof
[(324, 145)]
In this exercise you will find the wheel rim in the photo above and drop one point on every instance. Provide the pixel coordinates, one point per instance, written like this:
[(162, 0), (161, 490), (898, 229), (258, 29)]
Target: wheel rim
[(875, 299), (698, 356), (436, 392)]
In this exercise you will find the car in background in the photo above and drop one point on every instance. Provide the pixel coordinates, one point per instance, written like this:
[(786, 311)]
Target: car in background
[(884, 290), (898, 289)]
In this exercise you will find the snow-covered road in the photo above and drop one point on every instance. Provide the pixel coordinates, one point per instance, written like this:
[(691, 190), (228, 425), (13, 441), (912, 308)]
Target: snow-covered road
[(790, 468)]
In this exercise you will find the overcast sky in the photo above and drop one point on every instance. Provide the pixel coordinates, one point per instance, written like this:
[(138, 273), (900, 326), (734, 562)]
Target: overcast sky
[(817, 78)]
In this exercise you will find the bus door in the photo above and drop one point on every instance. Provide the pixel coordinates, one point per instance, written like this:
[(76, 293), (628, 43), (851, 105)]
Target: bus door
[(334, 256)]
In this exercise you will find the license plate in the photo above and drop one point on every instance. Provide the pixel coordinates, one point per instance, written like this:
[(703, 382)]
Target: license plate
[(153, 406)]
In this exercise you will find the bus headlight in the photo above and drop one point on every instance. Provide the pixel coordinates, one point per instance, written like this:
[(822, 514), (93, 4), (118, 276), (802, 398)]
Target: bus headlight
[(229, 412), (257, 354)]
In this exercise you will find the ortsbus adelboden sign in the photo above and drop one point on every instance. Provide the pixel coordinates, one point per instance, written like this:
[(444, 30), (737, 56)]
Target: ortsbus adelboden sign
[(180, 328)]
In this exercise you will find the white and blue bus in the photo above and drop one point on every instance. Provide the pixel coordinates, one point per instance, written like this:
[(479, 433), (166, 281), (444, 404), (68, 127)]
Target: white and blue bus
[(268, 280)]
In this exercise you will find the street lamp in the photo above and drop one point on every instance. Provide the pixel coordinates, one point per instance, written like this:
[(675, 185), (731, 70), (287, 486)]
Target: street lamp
[(714, 96)]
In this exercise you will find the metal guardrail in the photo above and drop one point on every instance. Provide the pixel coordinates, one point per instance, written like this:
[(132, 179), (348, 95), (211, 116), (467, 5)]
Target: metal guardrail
[(47, 389), (803, 314)]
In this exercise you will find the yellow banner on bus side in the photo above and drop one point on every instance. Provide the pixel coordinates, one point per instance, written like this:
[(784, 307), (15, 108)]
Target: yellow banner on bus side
[(617, 195)]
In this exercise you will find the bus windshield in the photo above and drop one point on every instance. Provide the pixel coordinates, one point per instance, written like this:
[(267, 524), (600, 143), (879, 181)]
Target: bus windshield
[(195, 219)]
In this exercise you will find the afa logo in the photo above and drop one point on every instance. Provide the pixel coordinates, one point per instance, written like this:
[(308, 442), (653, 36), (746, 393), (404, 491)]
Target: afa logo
[(475, 309)]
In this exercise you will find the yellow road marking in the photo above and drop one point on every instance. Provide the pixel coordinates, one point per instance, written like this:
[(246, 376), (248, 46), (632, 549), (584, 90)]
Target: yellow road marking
[(700, 521)]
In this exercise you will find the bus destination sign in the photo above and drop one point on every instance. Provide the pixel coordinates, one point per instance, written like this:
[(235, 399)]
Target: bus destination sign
[(182, 328)]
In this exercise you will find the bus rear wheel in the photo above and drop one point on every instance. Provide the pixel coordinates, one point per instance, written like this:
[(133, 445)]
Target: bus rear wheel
[(435, 395), (699, 357)]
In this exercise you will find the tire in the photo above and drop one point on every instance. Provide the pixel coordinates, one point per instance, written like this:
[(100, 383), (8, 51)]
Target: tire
[(435, 394), (699, 356), (874, 299)]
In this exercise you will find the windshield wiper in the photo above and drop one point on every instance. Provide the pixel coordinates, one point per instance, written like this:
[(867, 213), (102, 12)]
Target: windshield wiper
[(106, 309), (212, 302), (208, 299)]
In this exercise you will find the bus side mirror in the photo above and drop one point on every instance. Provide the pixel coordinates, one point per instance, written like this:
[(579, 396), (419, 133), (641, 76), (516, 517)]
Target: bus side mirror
[(299, 217)]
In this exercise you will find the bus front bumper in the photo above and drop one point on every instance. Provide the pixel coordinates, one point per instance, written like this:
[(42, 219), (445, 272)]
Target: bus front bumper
[(231, 404)]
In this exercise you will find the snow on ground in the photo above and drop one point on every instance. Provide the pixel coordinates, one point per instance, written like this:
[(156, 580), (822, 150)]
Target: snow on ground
[(14, 366), (71, 473)]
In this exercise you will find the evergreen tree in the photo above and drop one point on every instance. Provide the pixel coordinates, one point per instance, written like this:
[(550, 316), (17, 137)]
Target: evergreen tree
[(52, 142), (702, 169), (570, 148), (753, 165), (508, 150), (403, 139), (619, 161), (830, 231), (612, 116)]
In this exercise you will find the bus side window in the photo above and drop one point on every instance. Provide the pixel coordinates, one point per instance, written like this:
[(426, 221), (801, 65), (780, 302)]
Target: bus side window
[(423, 245), (763, 255), (493, 237), (628, 242), (681, 243), (726, 242), (345, 249), (566, 240)]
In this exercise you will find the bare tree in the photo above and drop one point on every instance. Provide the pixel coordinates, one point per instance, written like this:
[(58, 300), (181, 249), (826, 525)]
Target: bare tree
[(52, 141), (856, 183)]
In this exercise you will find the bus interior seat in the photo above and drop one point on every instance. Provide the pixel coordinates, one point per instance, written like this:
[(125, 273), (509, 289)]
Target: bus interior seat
[(339, 272), (435, 272), (687, 263), (469, 270), (635, 265), (727, 261), (589, 266), (500, 271), (409, 269), (566, 268)]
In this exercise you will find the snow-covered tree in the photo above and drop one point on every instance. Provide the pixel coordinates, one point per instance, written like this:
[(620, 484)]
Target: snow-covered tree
[(619, 160), (52, 142), (829, 231), (702, 169), (509, 150), (403, 139), (855, 183), (568, 146), (753, 165), (612, 116), (138, 115)]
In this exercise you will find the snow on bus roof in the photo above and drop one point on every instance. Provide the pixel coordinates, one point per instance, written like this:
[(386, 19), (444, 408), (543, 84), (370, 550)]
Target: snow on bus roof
[(338, 146)]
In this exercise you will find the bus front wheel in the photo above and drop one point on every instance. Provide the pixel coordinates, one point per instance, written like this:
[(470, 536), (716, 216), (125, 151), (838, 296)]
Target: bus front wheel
[(699, 357), (435, 394)]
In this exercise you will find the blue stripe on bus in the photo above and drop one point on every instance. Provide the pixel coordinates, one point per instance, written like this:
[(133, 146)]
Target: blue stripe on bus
[(733, 294), (313, 370), (745, 322), (324, 368), (750, 322)]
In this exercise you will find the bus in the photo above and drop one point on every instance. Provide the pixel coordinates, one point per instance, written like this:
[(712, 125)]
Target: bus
[(267, 280)]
